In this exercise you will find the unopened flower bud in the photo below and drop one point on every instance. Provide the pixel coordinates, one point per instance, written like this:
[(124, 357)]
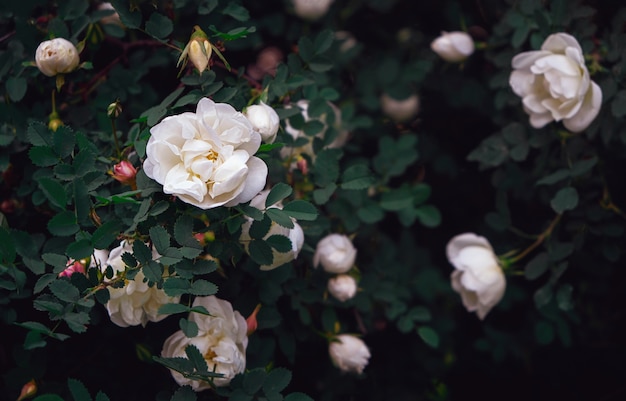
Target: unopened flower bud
[(302, 165), (251, 320), (28, 390), (198, 50), (264, 120), (453, 46), (124, 172), (56, 56), (342, 287), (114, 109), (54, 122)]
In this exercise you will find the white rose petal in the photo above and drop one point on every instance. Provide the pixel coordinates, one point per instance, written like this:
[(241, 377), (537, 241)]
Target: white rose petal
[(554, 84), (349, 353), (453, 46), (264, 120), (206, 158), (342, 287), (311, 9), (135, 303), (221, 339), (295, 234), (336, 253), (56, 56), (478, 276)]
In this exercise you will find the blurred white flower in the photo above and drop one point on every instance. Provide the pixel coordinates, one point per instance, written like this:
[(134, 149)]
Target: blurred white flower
[(110, 19), (342, 287), (295, 234), (554, 84), (135, 303), (336, 253), (400, 110), (56, 56), (453, 46), (206, 158), (311, 9), (349, 353), (478, 276), (264, 120), (221, 339)]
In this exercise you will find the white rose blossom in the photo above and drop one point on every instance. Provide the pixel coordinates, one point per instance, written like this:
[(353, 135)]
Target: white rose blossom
[(554, 84), (478, 276), (136, 303), (295, 234), (349, 353), (206, 158), (311, 9), (453, 46), (342, 287), (400, 110), (264, 120), (221, 339), (307, 148), (113, 18), (56, 56), (336, 253)]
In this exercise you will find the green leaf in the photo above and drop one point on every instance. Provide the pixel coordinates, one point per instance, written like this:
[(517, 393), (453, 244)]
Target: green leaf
[(7, 246), (104, 235), (280, 243), (429, 336), (153, 271), (63, 141), (544, 332), (160, 239), (141, 252), (63, 224), (16, 88), (253, 380), (54, 191), (48, 397), (236, 11), (583, 166), (77, 322), (64, 290), (132, 20), (357, 177), (537, 266), (38, 134), (42, 156), (55, 260), (278, 192), (183, 232), (428, 215), (171, 309), (326, 167), (189, 327), (323, 41), (298, 397), (618, 105), (196, 358), (184, 393), (554, 177), (43, 282), (260, 252), (279, 217), (100, 396), (202, 288), (258, 229), (277, 380), (565, 199), (301, 210), (176, 286), (80, 249), (78, 390)]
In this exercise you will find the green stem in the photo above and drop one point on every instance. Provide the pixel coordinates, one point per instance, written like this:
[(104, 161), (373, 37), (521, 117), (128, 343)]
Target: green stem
[(538, 241)]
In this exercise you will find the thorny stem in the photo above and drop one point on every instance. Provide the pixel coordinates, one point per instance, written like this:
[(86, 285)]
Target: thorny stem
[(607, 203), (539, 239)]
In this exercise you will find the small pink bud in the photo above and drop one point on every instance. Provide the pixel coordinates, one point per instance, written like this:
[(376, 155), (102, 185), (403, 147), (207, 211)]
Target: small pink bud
[(28, 390), (73, 267), (125, 173), (302, 165), (251, 320)]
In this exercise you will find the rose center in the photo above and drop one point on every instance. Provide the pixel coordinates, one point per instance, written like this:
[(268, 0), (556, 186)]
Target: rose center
[(212, 155)]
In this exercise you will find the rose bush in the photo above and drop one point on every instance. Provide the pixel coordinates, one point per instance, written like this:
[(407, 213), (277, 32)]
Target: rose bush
[(554, 84), (206, 158), (478, 276)]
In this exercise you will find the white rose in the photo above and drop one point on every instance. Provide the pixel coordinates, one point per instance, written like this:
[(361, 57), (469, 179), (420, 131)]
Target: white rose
[(135, 303), (112, 18), (342, 287), (478, 276), (206, 158), (453, 46), (399, 110), (264, 120), (307, 148), (295, 234), (554, 84), (221, 339), (56, 56), (311, 9), (349, 353), (336, 253)]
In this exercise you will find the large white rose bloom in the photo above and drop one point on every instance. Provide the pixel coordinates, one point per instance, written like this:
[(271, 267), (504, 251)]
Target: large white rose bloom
[(554, 84), (336, 253), (221, 339), (295, 234), (56, 56), (135, 303), (206, 158), (453, 46), (349, 353), (478, 276)]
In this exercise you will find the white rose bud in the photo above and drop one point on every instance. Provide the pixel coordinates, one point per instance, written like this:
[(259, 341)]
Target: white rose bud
[(349, 353), (311, 9), (400, 110), (336, 253), (478, 276), (56, 56), (453, 46), (113, 18), (554, 84), (342, 287), (198, 50), (221, 339), (264, 120)]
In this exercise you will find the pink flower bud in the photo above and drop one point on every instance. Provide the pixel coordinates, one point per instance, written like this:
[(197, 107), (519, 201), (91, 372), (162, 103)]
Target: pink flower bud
[(303, 165), (251, 320), (124, 172), (28, 390), (73, 266)]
